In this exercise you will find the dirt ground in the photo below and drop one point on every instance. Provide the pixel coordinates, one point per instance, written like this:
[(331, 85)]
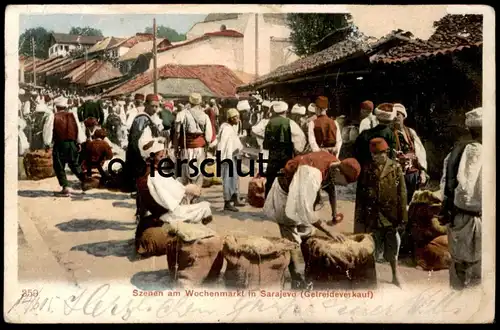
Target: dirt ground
[(91, 235)]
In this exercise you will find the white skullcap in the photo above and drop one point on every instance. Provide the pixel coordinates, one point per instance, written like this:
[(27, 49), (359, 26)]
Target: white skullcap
[(312, 108), (243, 105), (266, 103), (401, 109), (21, 91), (280, 107), (195, 98), (145, 145), (474, 118), (300, 110), (61, 102)]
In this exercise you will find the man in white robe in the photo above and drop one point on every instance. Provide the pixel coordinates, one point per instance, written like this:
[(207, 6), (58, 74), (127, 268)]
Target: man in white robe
[(163, 196), (230, 147), (193, 132), (462, 205), (259, 130)]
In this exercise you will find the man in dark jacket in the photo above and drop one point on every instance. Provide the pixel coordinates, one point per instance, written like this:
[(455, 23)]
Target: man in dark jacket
[(381, 207), (91, 109)]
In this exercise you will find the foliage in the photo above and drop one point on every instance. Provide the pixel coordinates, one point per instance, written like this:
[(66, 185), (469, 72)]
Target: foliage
[(166, 32), (309, 29), (42, 42), (85, 31)]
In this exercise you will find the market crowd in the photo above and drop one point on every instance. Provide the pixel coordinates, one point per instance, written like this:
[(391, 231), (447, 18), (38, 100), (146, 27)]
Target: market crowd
[(302, 144)]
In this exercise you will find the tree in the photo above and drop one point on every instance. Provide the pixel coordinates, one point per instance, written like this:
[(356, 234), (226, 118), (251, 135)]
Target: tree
[(85, 31), (309, 29), (166, 32), (42, 42)]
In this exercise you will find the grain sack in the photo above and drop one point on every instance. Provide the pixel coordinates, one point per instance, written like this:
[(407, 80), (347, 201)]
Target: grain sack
[(38, 164), (435, 255), (150, 237), (331, 264), (211, 181), (256, 262), (193, 254), (422, 215), (256, 192)]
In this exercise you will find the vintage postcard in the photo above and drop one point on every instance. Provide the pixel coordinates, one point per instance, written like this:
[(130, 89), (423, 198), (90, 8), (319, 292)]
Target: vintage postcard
[(249, 163)]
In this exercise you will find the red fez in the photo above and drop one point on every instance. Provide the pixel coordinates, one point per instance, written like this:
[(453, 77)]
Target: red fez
[(366, 105), (152, 98), (100, 133), (378, 145), (350, 168), (169, 105), (90, 122), (139, 97), (322, 102)]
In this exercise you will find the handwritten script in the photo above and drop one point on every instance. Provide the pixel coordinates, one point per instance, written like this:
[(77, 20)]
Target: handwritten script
[(102, 303)]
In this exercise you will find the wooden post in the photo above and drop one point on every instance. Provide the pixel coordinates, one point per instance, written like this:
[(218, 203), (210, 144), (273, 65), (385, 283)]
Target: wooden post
[(34, 63), (155, 63)]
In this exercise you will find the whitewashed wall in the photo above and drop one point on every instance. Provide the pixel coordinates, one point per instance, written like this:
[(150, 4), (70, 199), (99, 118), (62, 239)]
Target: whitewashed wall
[(213, 51), (201, 28)]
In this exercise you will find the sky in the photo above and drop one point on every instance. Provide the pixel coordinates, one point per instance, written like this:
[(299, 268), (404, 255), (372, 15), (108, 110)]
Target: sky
[(111, 25)]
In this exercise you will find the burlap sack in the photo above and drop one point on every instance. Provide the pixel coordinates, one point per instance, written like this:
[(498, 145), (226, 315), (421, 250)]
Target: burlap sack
[(256, 262), (193, 254), (331, 264), (435, 255), (256, 192), (150, 237), (38, 165), (422, 215)]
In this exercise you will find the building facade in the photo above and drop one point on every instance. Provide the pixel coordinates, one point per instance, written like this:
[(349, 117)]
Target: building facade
[(62, 44)]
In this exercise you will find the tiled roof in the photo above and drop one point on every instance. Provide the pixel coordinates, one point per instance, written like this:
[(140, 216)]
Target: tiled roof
[(225, 33), (63, 38), (71, 65), (29, 67), (106, 44), (138, 38), (218, 78), (178, 87), (315, 61), (453, 32), (142, 48), (94, 72), (49, 65)]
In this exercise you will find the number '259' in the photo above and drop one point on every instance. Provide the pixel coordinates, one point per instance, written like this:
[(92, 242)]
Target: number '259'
[(29, 293)]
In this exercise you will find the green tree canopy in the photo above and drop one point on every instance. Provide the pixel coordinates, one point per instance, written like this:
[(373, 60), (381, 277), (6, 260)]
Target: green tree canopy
[(85, 31), (309, 29), (42, 42), (166, 32)]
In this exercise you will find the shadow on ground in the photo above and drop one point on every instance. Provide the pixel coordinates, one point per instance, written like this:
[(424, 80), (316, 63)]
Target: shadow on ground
[(77, 225), (124, 205), (76, 196), (115, 248), (154, 280), (241, 215)]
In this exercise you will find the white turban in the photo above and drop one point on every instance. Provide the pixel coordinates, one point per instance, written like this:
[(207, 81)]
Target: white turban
[(61, 102), (401, 109), (280, 107), (312, 108), (195, 98), (266, 104), (385, 112), (474, 118), (243, 105), (21, 91), (300, 110)]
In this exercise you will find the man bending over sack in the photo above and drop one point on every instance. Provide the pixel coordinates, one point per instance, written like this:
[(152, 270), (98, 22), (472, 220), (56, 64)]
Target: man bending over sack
[(163, 196), (291, 198)]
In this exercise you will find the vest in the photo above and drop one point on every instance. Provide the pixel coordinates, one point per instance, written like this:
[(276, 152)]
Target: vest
[(65, 127), (278, 137), (325, 132), (320, 160)]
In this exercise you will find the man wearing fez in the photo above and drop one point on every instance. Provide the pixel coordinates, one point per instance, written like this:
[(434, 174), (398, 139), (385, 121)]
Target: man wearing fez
[(135, 166), (139, 102), (65, 134)]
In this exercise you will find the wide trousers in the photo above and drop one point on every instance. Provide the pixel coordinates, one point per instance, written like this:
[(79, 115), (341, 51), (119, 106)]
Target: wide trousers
[(66, 152)]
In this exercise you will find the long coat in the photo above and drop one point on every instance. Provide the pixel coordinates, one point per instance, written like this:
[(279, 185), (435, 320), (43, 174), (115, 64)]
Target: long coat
[(382, 201)]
